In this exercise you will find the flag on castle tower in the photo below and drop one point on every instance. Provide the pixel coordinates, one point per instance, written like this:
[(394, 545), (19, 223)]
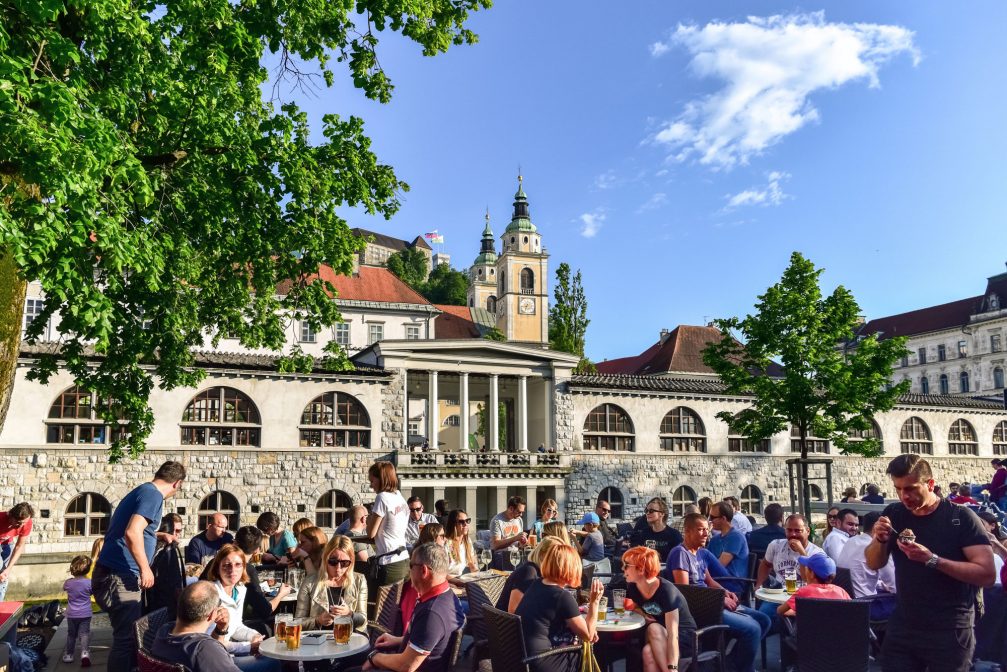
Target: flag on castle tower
[(434, 237)]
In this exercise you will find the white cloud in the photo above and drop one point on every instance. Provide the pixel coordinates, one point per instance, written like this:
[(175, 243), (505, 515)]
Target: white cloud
[(771, 194), (769, 68), (658, 200), (591, 223), (606, 180)]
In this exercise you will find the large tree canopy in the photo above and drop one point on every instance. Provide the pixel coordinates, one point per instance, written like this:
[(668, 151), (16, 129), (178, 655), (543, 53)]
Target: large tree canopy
[(159, 199), (568, 320)]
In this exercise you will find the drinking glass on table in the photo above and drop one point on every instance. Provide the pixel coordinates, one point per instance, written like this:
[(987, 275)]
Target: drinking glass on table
[(602, 609), (515, 556), (280, 626), (619, 601), (790, 579), (342, 628), (486, 557)]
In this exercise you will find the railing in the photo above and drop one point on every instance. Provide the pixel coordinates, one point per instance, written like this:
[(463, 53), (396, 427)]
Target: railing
[(481, 460)]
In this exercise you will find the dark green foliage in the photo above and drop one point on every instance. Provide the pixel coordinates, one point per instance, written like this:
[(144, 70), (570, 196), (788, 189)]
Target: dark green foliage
[(446, 286), (410, 265), (568, 314)]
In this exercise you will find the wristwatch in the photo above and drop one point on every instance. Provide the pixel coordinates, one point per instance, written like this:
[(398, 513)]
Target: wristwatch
[(374, 652), (672, 666), (932, 562)]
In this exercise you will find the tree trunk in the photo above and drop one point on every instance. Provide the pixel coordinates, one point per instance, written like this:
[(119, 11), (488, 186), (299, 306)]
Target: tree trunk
[(12, 293), (805, 491)]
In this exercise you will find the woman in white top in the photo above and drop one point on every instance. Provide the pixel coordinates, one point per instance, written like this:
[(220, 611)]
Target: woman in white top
[(387, 525), (463, 556), (227, 571)]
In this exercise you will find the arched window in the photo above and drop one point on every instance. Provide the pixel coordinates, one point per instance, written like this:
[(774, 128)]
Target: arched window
[(682, 497), (924, 385), (87, 516), (998, 378), (614, 497), (683, 431), (491, 304), (452, 421), (332, 509), (962, 439), (219, 501), (220, 416), (608, 427), (816, 492), (737, 443), (874, 432), (815, 445), (945, 389), (335, 420), (1000, 438), (75, 417), (915, 437), (527, 281), (963, 381), (751, 500)]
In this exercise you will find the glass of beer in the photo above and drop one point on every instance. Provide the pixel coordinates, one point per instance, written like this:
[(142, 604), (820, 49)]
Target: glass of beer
[(619, 601), (342, 628), (293, 632), (280, 626), (790, 580), (602, 609)]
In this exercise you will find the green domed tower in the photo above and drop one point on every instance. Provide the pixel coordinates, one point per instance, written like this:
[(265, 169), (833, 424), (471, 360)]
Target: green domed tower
[(522, 278)]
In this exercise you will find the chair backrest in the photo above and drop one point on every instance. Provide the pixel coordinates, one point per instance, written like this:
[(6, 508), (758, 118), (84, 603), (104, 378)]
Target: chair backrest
[(506, 640), (455, 647), (587, 575), (146, 627), (386, 606), (844, 580), (833, 635), (148, 663), (487, 591), (705, 604)]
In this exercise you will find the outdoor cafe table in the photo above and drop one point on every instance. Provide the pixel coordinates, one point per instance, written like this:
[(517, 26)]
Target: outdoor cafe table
[(772, 596), (274, 648), (628, 621)]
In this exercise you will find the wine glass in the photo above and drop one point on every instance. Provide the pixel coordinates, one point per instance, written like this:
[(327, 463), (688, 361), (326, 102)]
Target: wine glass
[(485, 557), (515, 556)]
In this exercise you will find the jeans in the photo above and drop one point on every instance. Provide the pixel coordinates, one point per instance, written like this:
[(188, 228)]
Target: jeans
[(749, 626), (253, 664), (5, 553), (78, 629), (119, 596), (906, 650), (768, 609)]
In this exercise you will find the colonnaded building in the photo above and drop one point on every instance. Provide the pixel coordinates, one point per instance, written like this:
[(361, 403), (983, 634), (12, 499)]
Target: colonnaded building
[(257, 440)]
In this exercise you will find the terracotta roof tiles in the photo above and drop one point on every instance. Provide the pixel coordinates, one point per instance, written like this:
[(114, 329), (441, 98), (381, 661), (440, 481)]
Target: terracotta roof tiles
[(370, 283)]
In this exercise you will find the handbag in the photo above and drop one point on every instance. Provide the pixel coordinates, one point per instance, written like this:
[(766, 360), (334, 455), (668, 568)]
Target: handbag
[(588, 663), (373, 568)]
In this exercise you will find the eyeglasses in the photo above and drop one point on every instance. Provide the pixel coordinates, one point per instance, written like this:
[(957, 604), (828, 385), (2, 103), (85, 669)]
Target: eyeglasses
[(336, 562), (654, 511), (416, 509), (232, 565), (605, 510), (464, 521), (551, 511), (625, 566)]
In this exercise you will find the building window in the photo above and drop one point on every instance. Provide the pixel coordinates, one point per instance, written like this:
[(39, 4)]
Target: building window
[(915, 437), (816, 492), (922, 355), (527, 281), (491, 304), (874, 432), (412, 332), (335, 420), (452, 421), (614, 497), (307, 333), (995, 343), (945, 388), (1000, 438), (219, 501), (375, 332), (32, 309), (905, 361), (502, 283), (963, 381), (942, 353), (963, 349), (742, 444), (683, 431), (998, 378), (962, 439), (87, 516), (682, 497), (751, 500), (75, 417), (924, 385), (332, 509), (815, 445), (220, 416), (608, 427), (342, 332)]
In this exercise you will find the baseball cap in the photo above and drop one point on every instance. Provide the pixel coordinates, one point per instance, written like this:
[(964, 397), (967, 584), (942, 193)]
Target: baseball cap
[(589, 518), (822, 565)]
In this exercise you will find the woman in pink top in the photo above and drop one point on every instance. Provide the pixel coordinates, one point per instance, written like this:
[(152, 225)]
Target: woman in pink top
[(78, 611), (818, 572)]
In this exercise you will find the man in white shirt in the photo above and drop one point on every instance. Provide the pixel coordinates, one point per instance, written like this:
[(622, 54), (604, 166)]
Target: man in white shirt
[(879, 585), (781, 556), (739, 521), (506, 530), (416, 519), (846, 527)]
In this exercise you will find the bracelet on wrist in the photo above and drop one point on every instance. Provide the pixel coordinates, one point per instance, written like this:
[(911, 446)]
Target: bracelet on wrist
[(220, 633)]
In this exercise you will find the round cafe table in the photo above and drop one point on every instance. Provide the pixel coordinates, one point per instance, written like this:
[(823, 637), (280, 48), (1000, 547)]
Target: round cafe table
[(273, 648), (628, 621), (772, 596)]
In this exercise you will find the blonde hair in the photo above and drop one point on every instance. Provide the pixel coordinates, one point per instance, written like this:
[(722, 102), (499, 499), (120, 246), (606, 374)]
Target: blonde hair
[(96, 548), (557, 529), (548, 504), (543, 546), (337, 543), (300, 525)]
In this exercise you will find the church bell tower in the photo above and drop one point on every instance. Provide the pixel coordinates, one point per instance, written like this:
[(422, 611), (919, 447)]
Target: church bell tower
[(522, 278)]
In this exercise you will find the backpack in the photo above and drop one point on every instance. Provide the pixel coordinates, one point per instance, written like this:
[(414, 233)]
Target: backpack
[(168, 568)]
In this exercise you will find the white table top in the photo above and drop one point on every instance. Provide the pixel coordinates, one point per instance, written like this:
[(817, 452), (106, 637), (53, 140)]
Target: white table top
[(628, 621), (273, 648), (775, 598)]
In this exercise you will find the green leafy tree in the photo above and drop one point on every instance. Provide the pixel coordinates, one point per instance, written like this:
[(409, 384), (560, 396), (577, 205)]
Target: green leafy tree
[(827, 389), (411, 266), (568, 317), (160, 200), (482, 425), (446, 286), (494, 334)]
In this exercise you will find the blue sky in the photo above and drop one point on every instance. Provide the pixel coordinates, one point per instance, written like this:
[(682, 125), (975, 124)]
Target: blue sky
[(678, 152)]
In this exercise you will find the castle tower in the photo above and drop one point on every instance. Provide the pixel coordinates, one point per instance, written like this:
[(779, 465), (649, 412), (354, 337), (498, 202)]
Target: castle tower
[(522, 278), (483, 273)]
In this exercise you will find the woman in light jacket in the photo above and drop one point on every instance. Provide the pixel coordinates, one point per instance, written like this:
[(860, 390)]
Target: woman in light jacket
[(336, 590), (227, 571)]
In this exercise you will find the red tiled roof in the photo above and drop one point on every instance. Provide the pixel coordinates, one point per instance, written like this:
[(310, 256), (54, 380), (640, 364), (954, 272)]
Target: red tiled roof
[(371, 283), (934, 318), (455, 322)]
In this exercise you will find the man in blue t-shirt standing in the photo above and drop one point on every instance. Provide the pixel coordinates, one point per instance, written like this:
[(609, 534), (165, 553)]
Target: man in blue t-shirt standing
[(123, 566), (730, 546)]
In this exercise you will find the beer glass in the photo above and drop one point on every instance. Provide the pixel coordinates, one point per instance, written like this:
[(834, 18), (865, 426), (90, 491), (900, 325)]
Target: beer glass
[(790, 579), (602, 609), (619, 601), (342, 628), (280, 626)]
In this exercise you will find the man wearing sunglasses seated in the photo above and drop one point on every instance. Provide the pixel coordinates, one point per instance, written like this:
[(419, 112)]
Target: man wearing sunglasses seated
[(417, 519)]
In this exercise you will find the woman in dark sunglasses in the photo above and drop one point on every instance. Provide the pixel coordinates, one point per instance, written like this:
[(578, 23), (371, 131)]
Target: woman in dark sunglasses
[(463, 556), (336, 590)]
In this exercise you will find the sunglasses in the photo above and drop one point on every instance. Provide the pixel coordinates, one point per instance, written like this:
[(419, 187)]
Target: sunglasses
[(625, 566), (464, 521), (415, 510), (336, 562), (654, 511), (605, 510)]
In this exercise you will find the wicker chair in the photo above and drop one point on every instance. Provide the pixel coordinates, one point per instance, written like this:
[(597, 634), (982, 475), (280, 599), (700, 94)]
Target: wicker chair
[(386, 610), (707, 608), (480, 594), (818, 647), (844, 580), (507, 647), (146, 627), (148, 663)]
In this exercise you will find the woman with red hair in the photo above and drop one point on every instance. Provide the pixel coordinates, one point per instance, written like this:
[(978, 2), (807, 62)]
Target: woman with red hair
[(550, 615), (670, 627)]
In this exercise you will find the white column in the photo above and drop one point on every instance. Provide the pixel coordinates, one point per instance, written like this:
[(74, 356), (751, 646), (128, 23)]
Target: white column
[(432, 416), (501, 494), (494, 415), (531, 506), (405, 409), (522, 414), (549, 435), (470, 505), (463, 412), (438, 495), (561, 501)]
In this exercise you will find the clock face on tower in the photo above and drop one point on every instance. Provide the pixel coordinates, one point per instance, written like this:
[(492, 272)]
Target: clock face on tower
[(526, 306)]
